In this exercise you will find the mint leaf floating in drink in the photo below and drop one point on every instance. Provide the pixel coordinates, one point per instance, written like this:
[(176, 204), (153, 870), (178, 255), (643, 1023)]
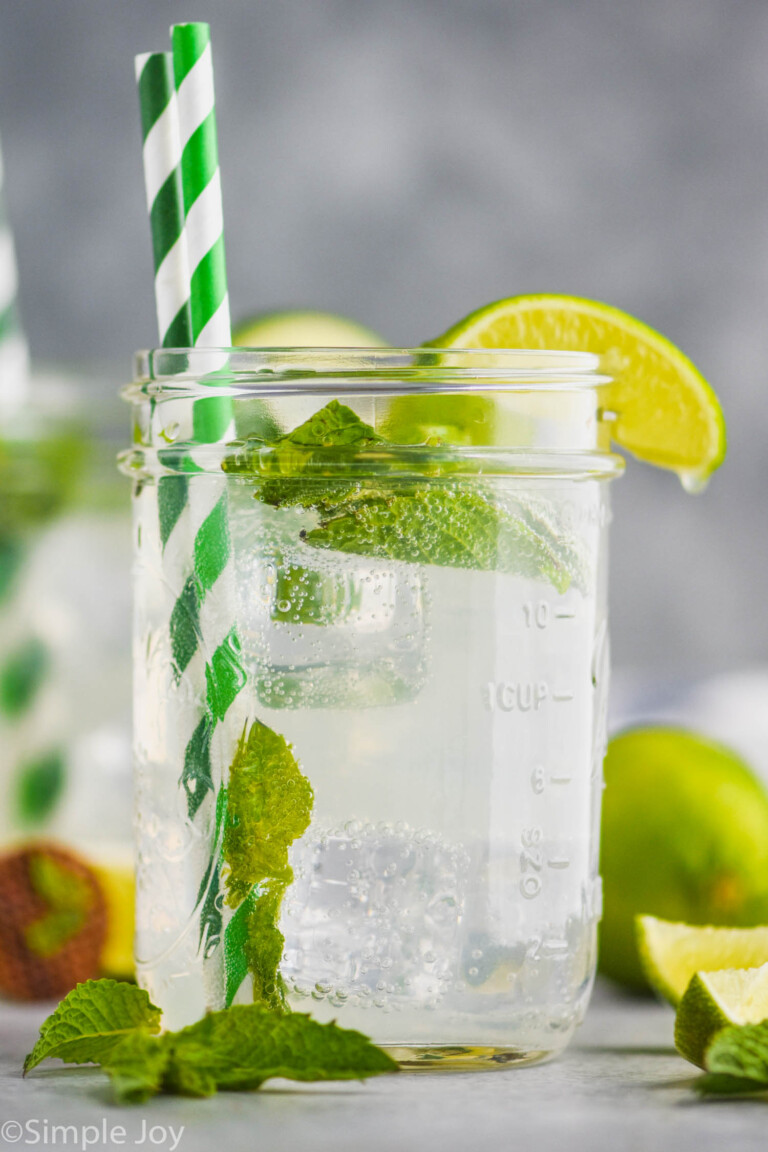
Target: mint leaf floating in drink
[(269, 804), (302, 467), (448, 526), (383, 512), (91, 1020), (115, 1025)]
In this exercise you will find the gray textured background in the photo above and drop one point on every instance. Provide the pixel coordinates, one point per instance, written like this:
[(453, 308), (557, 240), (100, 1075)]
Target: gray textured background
[(403, 161)]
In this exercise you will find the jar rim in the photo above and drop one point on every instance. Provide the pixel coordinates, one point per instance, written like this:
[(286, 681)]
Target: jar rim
[(281, 371)]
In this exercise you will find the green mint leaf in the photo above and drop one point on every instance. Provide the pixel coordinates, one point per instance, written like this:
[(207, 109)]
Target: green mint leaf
[(39, 785), (334, 426), (456, 525), (269, 804), (741, 1053), (115, 1024), (714, 1084), (264, 947), (242, 1046), (330, 437), (91, 1020), (22, 675), (449, 526), (137, 1066)]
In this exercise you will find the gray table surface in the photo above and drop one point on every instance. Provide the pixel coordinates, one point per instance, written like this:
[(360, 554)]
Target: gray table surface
[(620, 1086)]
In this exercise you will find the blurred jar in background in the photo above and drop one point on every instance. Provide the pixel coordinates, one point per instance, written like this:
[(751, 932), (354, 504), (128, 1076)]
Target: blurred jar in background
[(66, 881)]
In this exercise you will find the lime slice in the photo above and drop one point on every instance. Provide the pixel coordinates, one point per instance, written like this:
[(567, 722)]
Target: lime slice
[(664, 411), (295, 329), (673, 953), (717, 1000), (117, 884)]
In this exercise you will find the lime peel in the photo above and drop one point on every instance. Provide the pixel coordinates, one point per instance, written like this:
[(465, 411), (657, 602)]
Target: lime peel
[(717, 1000), (672, 953), (663, 410)]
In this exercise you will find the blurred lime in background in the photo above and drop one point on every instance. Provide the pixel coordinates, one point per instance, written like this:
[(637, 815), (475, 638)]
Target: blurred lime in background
[(684, 838)]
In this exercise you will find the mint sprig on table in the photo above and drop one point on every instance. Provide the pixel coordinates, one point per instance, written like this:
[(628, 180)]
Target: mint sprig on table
[(117, 1026), (737, 1061), (448, 523)]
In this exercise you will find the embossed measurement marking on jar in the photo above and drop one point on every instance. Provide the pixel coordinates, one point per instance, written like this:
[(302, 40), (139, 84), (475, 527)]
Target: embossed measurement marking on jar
[(539, 779), (515, 695), (523, 695), (540, 613), (533, 861)]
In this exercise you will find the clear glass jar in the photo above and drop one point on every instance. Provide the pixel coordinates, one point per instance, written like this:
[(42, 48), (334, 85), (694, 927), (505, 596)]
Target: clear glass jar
[(65, 730), (371, 662)]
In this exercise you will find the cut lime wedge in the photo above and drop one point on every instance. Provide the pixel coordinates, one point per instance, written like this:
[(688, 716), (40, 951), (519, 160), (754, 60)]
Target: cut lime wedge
[(301, 329), (663, 410), (717, 1000), (673, 953)]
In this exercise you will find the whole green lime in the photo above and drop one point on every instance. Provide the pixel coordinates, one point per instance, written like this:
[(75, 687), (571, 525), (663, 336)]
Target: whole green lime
[(684, 837)]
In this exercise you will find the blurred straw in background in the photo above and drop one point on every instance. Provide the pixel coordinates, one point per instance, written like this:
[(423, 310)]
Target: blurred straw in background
[(14, 358)]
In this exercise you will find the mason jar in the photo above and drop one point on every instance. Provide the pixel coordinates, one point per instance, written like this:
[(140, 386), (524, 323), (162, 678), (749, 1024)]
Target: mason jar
[(371, 662)]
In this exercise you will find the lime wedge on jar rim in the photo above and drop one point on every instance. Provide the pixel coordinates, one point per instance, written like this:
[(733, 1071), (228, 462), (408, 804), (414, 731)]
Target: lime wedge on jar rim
[(664, 411)]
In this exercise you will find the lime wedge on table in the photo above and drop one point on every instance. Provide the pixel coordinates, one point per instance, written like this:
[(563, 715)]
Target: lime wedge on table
[(717, 1000), (304, 329), (665, 412), (673, 953)]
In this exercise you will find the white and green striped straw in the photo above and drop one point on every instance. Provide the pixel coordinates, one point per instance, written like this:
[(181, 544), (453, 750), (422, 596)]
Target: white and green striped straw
[(165, 202), (14, 357), (193, 511)]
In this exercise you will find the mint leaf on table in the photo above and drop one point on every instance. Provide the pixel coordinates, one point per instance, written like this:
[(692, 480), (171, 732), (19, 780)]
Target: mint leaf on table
[(247, 1044), (91, 1020), (238, 1048), (137, 1065), (455, 524), (737, 1060), (268, 806)]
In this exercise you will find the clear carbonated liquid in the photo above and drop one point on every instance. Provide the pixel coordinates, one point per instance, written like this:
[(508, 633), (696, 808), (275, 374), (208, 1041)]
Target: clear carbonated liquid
[(452, 724)]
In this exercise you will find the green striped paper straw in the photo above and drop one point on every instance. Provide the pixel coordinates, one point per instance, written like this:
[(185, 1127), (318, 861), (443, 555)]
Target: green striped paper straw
[(14, 358), (204, 220), (161, 148), (201, 182), (193, 509), (212, 742)]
